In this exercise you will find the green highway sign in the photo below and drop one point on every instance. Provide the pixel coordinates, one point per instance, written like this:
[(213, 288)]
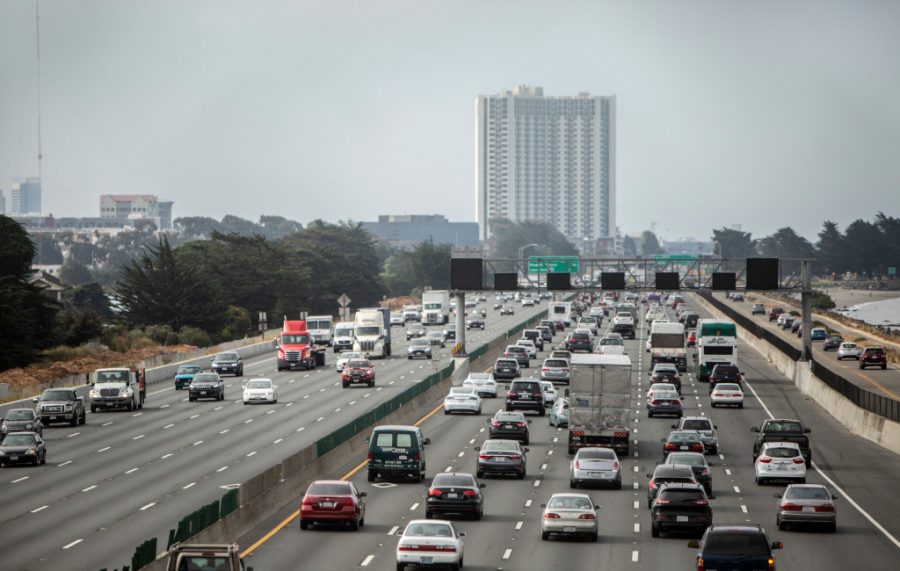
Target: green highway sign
[(553, 264), (674, 259), (892, 271)]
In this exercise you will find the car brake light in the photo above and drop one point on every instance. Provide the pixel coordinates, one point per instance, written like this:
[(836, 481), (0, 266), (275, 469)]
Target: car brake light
[(799, 460), (551, 515), (792, 508), (671, 447), (697, 447), (495, 423), (371, 456), (578, 464), (565, 370), (765, 459), (663, 502), (521, 424), (510, 394), (545, 369), (514, 457), (470, 493), (825, 508), (654, 401), (418, 457), (652, 485), (434, 493), (615, 465), (712, 378), (484, 457), (306, 501), (701, 502), (587, 516)]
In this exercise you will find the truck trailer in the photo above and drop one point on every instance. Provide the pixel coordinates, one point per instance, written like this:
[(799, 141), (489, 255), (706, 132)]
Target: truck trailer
[(600, 408)]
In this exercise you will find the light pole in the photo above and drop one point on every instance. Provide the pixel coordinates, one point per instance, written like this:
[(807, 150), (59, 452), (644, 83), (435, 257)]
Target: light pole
[(525, 264)]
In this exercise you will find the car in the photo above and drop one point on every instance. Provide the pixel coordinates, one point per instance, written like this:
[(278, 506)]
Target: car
[(475, 323), (397, 319), (436, 339), (737, 297), (559, 413), (588, 322), (535, 336), (666, 373), (419, 349), (206, 386), (774, 312), (758, 309), (556, 370), (806, 504), (683, 441), (260, 390), (666, 474), (724, 373), (507, 425), (579, 341), (680, 507), (586, 331), (21, 420), (796, 327), (737, 547), (832, 342), (654, 313), (525, 395), (25, 447), (483, 383), (501, 457), (462, 399), (780, 461), (667, 403), (430, 542), (697, 462), (658, 387), (549, 393), (610, 345), (507, 310), (519, 353), (218, 556), (229, 362), (471, 302), (529, 347), (527, 302), (60, 405), (396, 451), (448, 332), (691, 338), (570, 514), (498, 305), (414, 331), (358, 371), (506, 368), (705, 427), (546, 334), (185, 374), (848, 350), (454, 493), (727, 394), (344, 358), (561, 354), (595, 466), (873, 357), (333, 501), (818, 334)]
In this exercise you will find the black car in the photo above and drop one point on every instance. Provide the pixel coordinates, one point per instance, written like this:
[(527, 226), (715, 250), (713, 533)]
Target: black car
[(697, 462), (228, 363), (579, 342), (536, 337), (509, 426), (683, 441), (725, 374), (506, 369), (525, 395), (501, 457), (832, 342), (458, 494), (23, 448), (206, 386), (736, 548), (475, 323), (20, 420), (667, 474), (666, 373), (680, 507)]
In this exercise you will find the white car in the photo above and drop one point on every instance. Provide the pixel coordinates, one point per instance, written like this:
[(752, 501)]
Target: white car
[(529, 346), (727, 394), (780, 461), (483, 383), (611, 346), (654, 313), (462, 399), (549, 393), (342, 360), (397, 319), (570, 514), (589, 323), (430, 542), (849, 350), (595, 466), (260, 390), (659, 387)]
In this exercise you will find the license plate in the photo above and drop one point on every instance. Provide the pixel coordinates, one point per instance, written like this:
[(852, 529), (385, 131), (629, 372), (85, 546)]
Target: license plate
[(453, 496), (779, 468), (327, 504), (681, 518), (568, 530), (507, 426), (426, 560), (682, 447), (500, 459), (595, 475), (402, 457), (809, 509), (524, 395), (13, 458), (202, 392)]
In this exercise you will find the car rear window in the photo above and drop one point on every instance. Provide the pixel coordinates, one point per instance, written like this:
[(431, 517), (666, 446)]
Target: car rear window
[(803, 493), (725, 370), (570, 502), (510, 416), (501, 446), (335, 489), (526, 386), (589, 454), (727, 387), (875, 350), (506, 363), (580, 336), (556, 363), (696, 425), (681, 496), (783, 426), (782, 452), (685, 460), (453, 480), (736, 543), (358, 364), (393, 440)]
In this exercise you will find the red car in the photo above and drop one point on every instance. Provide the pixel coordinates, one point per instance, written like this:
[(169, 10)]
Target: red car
[(775, 312), (873, 357), (358, 371), (333, 501), (692, 339)]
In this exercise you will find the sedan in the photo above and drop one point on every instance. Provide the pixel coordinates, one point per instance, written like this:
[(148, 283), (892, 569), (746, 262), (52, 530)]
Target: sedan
[(344, 358), (665, 403), (483, 383), (430, 542), (333, 501), (806, 504), (475, 323), (21, 420), (23, 448), (435, 339), (727, 394), (509, 426), (570, 514), (530, 347), (452, 493), (559, 413), (556, 370), (758, 309), (506, 310), (683, 441), (697, 463), (358, 371), (414, 331), (595, 466), (780, 461), (501, 457), (832, 342), (462, 399), (397, 319), (419, 349), (849, 350), (658, 387), (506, 369), (260, 390)]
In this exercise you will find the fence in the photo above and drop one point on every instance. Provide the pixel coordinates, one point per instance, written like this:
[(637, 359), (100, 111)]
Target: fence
[(865, 399)]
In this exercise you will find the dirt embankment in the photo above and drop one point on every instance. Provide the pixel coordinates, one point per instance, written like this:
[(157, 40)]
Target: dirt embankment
[(397, 303)]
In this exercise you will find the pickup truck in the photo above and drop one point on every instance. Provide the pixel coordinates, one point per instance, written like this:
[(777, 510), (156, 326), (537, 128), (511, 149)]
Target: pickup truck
[(56, 405), (782, 430), (205, 556)]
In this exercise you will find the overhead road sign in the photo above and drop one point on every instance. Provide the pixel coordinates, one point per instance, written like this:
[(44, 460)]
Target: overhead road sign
[(553, 264)]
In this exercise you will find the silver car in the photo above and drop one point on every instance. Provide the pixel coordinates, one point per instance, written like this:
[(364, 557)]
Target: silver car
[(342, 360), (595, 466), (849, 350), (419, 348), (806, 503), (555, 370), (570, 514)]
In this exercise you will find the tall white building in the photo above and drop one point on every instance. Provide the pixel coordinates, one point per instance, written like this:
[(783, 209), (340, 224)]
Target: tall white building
[(548, 159), (25, 197)]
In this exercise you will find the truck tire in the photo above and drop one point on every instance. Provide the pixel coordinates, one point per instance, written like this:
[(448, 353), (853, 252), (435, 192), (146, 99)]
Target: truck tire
[(74, 421), (130, 406), (93, 408)]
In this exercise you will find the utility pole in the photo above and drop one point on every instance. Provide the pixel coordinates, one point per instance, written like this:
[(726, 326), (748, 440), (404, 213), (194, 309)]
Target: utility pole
[(461, 322), (806, 308)]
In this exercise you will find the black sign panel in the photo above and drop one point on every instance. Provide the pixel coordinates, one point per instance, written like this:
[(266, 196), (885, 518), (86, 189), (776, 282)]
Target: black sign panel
[(506, 282), (667, 280), (466, 274), (762, 273), (612, 280), (724, 281), (559, 281)]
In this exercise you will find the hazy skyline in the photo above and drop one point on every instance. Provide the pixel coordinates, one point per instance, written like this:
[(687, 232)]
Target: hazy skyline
[(766, 114)]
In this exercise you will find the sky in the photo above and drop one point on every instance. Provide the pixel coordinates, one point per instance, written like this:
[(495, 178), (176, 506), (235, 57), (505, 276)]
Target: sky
[(764, 114)]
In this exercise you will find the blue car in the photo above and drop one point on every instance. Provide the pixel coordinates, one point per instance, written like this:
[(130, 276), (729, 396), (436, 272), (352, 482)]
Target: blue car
[(185, 375), (736, 548), (818, 334)]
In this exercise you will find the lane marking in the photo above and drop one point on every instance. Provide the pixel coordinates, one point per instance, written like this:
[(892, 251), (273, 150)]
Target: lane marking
[(107, 423), (89, 488), (198, 443), (224, 431), (637, 504), (635, 556), (528, 503), (222, 469), (66, 463), (414, 507), (22, 479), (191, 485), (40, 509), (73, 435), (164, 456), (168, 426), (728, 471), (138, 437), (744, 508), (737, 490), (251, 454), (507, 554), (148, 506), (367, 560), (519, 525), (73, 544), (104, 449), (278, 441), (393, 530), (637, 528), (133, 470)]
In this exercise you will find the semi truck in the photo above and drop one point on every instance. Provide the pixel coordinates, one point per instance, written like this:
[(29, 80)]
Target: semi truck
[(599, 396), (436, 307), (294, 347), (372, 332), (667, 345), (119, 387)]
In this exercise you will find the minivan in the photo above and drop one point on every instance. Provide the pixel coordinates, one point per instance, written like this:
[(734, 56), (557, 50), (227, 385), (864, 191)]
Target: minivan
[(397, 451)]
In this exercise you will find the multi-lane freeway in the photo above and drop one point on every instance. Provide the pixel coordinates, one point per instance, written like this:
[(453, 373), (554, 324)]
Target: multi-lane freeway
[(126, 476), (863, 474)]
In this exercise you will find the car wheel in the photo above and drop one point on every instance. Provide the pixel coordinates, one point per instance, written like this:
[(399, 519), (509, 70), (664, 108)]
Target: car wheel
[(781, 525), (618, 484), (44, 457), (594, 537), (74, 421), (479, 474), (446, 411), (94, 409), (354, 525), (542, 412), (521, 475), (545, 535), (832, 527), (83, 417), (370, 476), (573, 484), (454, 566), (650, 414), (740, 405), (654, 531), (428, 515), (191, 399), (479, 514), (304, 524)]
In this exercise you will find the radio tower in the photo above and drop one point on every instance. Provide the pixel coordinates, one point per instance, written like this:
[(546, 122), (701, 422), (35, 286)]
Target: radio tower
[(37, 21)]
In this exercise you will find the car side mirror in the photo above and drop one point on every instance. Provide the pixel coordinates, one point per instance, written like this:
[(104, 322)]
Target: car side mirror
[(649, 475), (754, 429), (834, 496), (461, 534), (806, 431), (427, 441), (716, 426), (674, 425), (526, 449), (694, 544), (34, 400), (482, 485), (363, 494), (488, 420), (777, 545)]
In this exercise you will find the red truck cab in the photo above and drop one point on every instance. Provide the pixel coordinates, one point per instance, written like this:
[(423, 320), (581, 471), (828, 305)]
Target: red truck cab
[(294, 348)]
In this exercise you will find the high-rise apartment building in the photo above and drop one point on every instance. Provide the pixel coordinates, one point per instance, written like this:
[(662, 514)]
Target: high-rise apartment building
[(25, 197), (548, 159), (2, 203)]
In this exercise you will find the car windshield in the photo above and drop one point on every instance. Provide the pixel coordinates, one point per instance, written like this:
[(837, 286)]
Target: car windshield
[(368, 330), (20, 415), (806, 493), (205, 378), (330, 489), (611, 341), (570, 503), (417, 342), (696, 424), (294, 339), (500, 446), (58, 395), (357, 364), (259, 384), (531, 386), (428, 530), (188, 370), (596, 454), (682, 437), (666, 394), (19, 440), (681, 496), (453, 480), (727, 387), (343, 331), (203, 563), (781, 452), (227, 357), (736, 543)]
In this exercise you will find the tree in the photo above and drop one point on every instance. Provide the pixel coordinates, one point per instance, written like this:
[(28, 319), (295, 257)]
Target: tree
[(864, 247), (510, 236), (431, 264), (74, 273), (831, 249), (734, 244), (650, 244), (629, 246), (89, 298), (785, 243)]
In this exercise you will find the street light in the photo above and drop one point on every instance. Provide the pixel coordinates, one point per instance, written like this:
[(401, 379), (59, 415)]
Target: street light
[(525, 247)]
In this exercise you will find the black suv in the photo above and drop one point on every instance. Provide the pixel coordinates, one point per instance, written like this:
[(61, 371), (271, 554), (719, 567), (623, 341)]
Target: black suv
[(725, 374), (228, 363), (536, 337), (206, 386), (452, 493), (579, 342), (680, 507), (735, 547), (525, 395), (56, 405)]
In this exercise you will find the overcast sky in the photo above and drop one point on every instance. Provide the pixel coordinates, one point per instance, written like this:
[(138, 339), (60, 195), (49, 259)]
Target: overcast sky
[(763, 113)]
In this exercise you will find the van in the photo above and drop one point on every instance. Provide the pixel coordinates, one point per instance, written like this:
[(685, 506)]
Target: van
[(396, 450)]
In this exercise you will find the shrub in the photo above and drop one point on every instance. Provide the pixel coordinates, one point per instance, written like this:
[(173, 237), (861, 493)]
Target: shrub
[(821, 300), (194, 336)]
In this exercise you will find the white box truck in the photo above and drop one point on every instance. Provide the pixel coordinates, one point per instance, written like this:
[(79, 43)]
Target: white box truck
[(667, 344), (600, 402), (436, 307), (560, 311)]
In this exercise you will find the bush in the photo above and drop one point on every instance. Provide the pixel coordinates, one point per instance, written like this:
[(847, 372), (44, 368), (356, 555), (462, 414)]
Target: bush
[(162, 334), (238, 324), (194, 336), (821, 300)]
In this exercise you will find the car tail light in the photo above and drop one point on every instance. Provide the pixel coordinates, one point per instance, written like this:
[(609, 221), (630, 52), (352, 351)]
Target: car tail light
[(799, 460), (712, 378), (791, 508), (565, 370), (771, 564), (470, 493), (307, 501), (671, 447), (697, 447), (347, 502), (578, 464), (495, 423), (663, 502), (652, 485), (536, 395), (442, 548), (587, 516), (434, 493), (371, 456), (510, 395), (825, 508), (654, 401), (704, 472), (572, 339), (514, 457), (701, 503), (418, 457), (521, 424), (484, 457), (545, 369), (701, 565), (735, 394), (551, 515), (615, 465), (765, 459)]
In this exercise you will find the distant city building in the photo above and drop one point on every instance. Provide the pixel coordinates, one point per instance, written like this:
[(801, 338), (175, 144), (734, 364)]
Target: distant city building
[(36, 224), (165, 214), (407, 230), (137, 206), (25, 197), (2, 203), (690, 246), (549, 159)]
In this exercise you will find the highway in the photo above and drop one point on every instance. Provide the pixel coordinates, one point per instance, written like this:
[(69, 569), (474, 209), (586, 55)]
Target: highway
[(863, 474), (127, 476)]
